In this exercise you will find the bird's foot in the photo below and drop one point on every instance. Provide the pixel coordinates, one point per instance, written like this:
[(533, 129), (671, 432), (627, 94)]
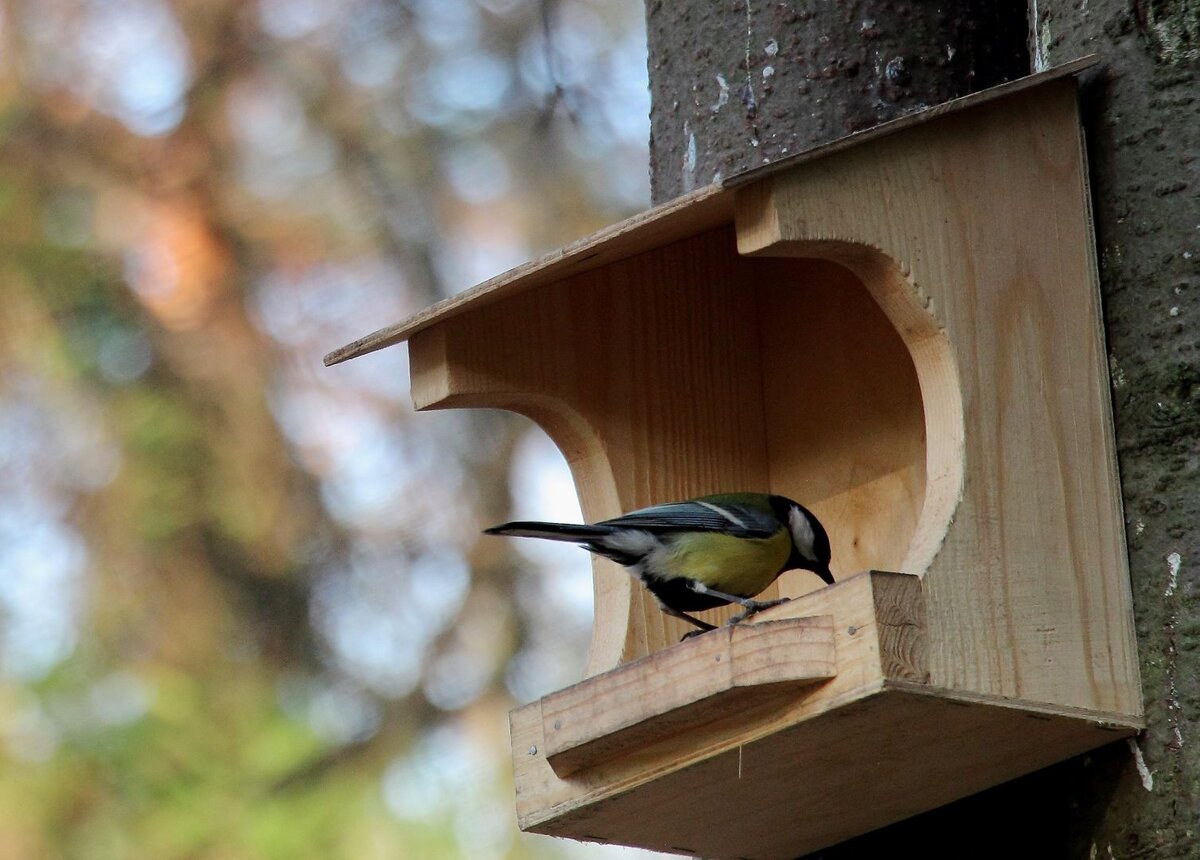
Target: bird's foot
[(753, 607), (702, 626)]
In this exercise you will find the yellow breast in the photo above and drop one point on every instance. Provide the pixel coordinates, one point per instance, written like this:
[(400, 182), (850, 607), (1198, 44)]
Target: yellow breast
[(738, 566)]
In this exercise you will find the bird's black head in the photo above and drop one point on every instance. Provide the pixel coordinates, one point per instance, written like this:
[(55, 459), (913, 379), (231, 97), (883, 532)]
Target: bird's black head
[(810, 543)]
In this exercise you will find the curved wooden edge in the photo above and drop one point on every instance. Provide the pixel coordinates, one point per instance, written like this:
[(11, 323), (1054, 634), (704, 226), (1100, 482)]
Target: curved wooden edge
[(985, 217), (908, 307)]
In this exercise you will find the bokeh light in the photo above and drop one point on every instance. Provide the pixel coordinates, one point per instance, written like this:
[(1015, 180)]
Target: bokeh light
[(245, 607)]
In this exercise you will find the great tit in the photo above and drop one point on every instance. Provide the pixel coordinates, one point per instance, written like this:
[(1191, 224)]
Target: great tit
[(702, 553)]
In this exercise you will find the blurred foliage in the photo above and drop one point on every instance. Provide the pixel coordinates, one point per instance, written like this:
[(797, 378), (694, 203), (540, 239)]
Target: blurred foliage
[(244, 609)]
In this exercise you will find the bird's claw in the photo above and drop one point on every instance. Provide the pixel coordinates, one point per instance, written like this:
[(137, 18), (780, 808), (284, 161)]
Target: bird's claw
[(753, 607)]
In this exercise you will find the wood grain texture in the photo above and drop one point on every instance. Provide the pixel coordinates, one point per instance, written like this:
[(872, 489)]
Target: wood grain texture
[(901, 623), (644, 373), (986, 217), (694, 370), (725, 670), (845, 427)]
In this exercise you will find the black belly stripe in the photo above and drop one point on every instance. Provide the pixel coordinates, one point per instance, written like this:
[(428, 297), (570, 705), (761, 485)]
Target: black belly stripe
[(676, 594)]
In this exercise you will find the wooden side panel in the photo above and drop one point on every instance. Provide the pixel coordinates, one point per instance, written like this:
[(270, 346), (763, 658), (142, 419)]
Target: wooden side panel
[(645, 374), (985, 214), (691, 370)]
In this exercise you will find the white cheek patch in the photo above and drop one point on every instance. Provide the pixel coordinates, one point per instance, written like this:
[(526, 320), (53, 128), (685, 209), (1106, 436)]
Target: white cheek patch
[(802, 533)]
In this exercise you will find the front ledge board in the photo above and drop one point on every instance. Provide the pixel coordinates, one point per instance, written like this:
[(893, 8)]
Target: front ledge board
[(727, 671)]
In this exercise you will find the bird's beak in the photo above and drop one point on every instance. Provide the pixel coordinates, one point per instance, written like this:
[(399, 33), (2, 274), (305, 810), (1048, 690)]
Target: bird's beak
[(825, 574)]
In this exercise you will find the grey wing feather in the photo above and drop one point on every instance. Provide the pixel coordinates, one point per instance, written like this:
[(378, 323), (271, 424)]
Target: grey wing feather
[(699, 516)]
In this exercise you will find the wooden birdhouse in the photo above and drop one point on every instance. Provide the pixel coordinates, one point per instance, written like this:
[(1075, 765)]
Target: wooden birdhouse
[(901, 330)]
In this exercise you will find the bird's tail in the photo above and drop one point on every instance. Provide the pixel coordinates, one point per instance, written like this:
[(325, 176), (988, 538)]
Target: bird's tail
[(570, 532)]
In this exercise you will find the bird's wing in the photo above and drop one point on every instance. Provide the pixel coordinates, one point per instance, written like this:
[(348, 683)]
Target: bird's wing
[(700, 515)]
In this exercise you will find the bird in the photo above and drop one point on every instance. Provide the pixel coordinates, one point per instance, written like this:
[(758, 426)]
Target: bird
[(702, 553)]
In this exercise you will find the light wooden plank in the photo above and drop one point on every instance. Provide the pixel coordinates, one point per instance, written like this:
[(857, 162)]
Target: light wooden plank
[(683, 686), (980, 224), (645, 374)]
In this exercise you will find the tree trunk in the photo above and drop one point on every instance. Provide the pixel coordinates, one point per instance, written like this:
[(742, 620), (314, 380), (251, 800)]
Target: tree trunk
[(736, 85), (1142, 116)]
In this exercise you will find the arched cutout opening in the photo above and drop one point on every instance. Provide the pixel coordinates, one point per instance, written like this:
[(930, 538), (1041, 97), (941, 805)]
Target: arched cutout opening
[(890, 451), (691, 369), (844, 416), (554, 587)]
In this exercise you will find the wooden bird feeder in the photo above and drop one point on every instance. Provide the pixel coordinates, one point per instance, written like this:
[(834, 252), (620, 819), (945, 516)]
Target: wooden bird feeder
[(902, 330)]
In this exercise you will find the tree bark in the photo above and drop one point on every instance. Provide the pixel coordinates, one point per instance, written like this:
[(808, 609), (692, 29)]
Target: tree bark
[(1142, 116), (736, 85)]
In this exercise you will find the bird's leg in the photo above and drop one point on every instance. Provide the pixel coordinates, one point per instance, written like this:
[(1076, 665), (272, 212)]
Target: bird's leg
[(703, 626), (752, 607)]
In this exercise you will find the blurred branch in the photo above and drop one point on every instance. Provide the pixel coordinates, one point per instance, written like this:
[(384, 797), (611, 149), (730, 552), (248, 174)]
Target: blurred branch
[(547, 10)]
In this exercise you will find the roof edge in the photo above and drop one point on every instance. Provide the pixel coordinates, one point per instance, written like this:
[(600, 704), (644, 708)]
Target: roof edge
[(692, 213)]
